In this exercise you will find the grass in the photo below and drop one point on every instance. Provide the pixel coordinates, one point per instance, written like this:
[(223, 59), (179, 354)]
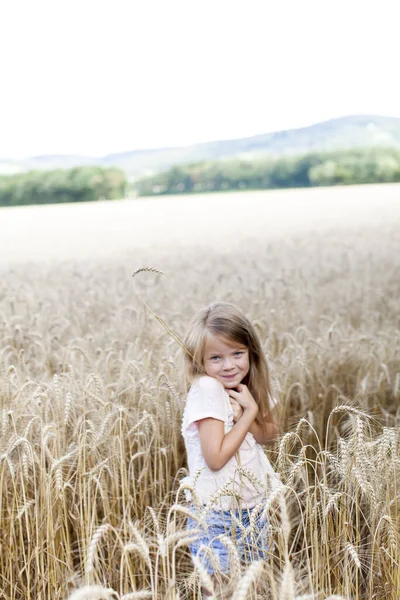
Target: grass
[(91, 402)]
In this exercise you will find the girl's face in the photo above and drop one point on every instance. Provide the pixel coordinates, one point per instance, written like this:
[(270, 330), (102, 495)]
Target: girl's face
[(225, 360)]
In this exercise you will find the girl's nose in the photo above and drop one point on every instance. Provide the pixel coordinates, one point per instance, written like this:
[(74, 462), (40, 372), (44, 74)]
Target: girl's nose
[(227, 364)]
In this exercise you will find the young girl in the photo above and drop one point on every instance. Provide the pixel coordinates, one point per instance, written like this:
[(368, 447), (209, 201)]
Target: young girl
[(226, 419)]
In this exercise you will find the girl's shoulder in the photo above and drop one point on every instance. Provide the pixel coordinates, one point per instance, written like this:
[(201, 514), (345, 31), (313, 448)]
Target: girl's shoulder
[(206, 384)]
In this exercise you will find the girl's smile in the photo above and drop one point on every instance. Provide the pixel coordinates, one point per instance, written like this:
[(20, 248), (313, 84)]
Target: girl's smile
[(226, 361)]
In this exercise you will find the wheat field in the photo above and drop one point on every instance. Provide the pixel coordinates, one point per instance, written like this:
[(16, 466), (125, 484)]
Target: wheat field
[(91, 400)]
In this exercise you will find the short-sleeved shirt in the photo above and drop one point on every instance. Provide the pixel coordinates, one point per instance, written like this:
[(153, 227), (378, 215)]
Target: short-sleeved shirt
[(208, 398)]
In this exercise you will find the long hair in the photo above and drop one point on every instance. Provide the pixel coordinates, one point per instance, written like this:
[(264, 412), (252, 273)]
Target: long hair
[(228, 321)]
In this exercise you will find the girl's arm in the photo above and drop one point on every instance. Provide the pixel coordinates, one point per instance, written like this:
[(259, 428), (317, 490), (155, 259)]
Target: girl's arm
[(218, 447), (262, 435), (265, 434)]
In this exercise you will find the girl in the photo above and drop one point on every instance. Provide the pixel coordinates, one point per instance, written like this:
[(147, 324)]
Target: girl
[(226, 418)]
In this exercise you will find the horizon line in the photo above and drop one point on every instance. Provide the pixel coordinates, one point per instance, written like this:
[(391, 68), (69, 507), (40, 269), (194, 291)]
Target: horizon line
[(182, 146)]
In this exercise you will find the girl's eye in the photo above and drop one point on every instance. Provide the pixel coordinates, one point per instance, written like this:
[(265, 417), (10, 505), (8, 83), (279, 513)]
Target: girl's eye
[(239, 353), (214, 358)]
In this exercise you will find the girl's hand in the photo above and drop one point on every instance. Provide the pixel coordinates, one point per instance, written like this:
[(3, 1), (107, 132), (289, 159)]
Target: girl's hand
[(236, 409), (244, 398)]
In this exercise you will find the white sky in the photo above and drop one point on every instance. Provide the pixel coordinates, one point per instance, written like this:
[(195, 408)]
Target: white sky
[(99, 76)]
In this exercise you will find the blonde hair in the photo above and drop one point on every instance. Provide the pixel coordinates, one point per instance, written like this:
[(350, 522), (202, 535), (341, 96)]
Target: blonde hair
[(228, 321)]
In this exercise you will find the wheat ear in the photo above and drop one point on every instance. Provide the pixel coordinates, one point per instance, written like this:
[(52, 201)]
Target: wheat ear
[(251, 575), (93, 592)]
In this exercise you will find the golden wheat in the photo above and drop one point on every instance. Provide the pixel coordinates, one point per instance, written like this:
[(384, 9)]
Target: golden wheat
[(91, 401)]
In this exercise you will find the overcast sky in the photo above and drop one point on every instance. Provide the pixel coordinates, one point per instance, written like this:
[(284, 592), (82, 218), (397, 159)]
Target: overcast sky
[(93, 77)]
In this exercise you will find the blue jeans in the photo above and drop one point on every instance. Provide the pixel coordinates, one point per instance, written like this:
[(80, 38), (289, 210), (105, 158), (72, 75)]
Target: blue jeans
[(249, 545)]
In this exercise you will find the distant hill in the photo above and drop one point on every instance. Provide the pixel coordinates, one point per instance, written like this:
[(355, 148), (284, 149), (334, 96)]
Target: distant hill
[(343, 133)]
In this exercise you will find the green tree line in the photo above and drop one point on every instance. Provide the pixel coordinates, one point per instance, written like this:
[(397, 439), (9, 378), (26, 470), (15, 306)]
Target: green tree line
[(73, 185), (366, 165)]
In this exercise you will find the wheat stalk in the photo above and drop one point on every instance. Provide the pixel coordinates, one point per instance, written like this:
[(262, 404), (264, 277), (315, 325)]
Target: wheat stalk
[(159, 319), (141, 595)]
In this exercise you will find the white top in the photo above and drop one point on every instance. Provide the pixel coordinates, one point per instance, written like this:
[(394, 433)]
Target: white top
[(208, 398)]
